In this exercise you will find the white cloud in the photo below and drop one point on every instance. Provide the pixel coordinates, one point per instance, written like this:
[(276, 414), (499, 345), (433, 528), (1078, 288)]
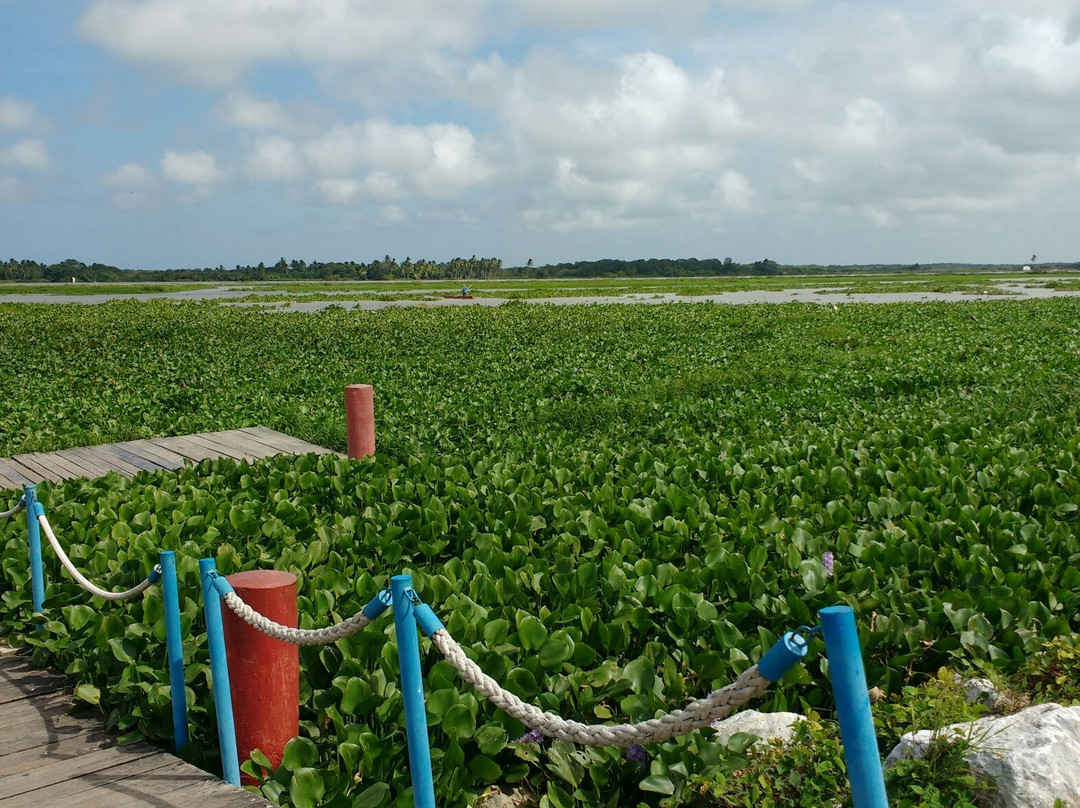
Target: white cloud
[(28, 154), (16, 114), (244, 111), (197, 168), (339, 190), (275, 159), (127, 177), (217, 42), (436, 160)]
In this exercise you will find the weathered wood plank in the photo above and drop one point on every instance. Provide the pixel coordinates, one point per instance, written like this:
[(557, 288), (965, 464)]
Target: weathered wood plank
[(128, 458), (157, 454), (90, 469), (57, 771), (282, 443), (100, 454), (182, 445), (98, 784), (232, 444), (131, 458), (15, 473), (33, 470), (62, 467)]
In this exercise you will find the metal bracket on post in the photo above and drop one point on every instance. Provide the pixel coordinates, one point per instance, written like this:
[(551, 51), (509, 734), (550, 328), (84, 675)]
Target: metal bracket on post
[(412, 688), (853, 707), (219, 671), (33, 530), (175, 647)]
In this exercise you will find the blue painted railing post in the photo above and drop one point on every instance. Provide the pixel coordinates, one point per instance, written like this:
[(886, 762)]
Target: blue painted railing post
[(219, 671), (853, 707), (174, 644), (33, 529), (412, 688)]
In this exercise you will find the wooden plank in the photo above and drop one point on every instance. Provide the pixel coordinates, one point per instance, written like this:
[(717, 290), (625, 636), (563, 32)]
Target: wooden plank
[(130, 458), (60, 795), (216, 446), (235, 447), (155, 453), (55, 748), (64, 468), (44, 470), (114, 462), (15, 473), (92, 469), (60, 770), (6, 483), (24, 687), (42, 735), (282, 443), (281, 439), (41, 710), (185, 447), (31, 470)]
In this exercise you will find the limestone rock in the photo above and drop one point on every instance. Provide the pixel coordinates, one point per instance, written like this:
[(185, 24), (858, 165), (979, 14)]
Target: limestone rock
[(765, 725), (1031, 755)]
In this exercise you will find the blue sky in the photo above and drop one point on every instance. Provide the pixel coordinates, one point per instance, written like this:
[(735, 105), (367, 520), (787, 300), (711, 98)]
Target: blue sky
[(171, 133)]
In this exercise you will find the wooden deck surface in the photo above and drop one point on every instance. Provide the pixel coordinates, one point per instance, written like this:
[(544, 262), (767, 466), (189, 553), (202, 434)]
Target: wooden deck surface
[(51, 758), (130, 457)]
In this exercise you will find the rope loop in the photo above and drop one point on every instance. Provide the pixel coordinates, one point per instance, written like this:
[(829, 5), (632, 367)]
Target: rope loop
[(14, 511), (297, 636), (698, 714), (82, 580)]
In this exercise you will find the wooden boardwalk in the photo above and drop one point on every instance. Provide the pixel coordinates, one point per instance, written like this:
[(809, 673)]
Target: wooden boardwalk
[(50, 758), (130, 457)]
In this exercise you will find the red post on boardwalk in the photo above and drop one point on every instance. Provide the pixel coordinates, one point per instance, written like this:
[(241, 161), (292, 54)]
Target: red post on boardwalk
[(360, 419), (264, 673)]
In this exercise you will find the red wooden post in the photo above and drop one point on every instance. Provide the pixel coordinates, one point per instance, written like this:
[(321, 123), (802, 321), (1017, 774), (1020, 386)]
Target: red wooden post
[(264, 673), (360, 419)]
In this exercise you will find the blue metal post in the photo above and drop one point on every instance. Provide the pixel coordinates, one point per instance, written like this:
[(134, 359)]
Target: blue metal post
[(219, 671), (33, 529), (412, 688), (853, 707), (175, 647)]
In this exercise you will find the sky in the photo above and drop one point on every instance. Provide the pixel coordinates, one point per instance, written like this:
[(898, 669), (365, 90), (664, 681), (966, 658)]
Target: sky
[(189, 133)]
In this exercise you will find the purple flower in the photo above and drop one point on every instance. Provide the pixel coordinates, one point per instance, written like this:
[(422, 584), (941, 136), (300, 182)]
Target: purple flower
[(637, 754), (532, 736), (828, 561)]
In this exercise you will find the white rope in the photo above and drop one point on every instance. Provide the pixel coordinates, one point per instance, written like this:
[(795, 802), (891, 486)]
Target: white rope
[(79, 577), (18, 507), (296, 636), (718, 704)]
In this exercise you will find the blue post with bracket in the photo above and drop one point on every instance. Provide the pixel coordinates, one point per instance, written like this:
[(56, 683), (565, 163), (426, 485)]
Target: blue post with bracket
[(174, 644), (33, 530), (853, 707), (412, 688), (219, 671)]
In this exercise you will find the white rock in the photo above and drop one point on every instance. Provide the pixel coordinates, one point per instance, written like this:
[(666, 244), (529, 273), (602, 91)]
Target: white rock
[(980, 691), (765, 725), (1033, 756)]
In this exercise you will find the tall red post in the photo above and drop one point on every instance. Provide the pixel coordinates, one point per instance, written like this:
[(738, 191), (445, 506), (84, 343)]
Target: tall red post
[(264, 673), (360, 419)]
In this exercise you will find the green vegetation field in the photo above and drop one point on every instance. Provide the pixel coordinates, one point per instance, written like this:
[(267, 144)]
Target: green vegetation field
[(615, 509)]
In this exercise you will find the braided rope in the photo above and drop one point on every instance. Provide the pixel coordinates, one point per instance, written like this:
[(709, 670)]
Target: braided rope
[(13, 511), (700, 713), (296, 636), (79, 577)]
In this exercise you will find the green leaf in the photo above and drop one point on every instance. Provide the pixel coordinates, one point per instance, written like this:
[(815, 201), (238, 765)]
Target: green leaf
[(299, 753), (88, 693), (658, 784), (372, 796), (306, 788)]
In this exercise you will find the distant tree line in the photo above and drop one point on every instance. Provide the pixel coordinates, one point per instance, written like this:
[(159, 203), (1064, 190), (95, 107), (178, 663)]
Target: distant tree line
[(473, 268)]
